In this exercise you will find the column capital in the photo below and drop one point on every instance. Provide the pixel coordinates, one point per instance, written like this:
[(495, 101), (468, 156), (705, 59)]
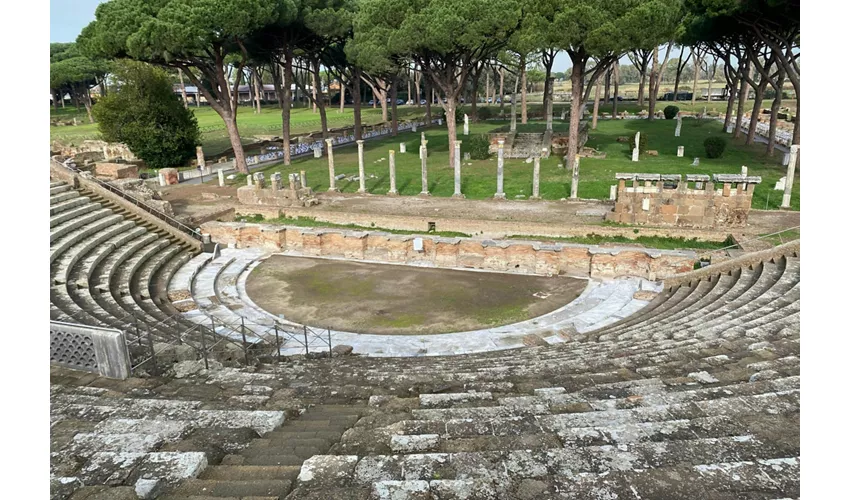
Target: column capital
[(392, 151), (360, 141), (329, 141)]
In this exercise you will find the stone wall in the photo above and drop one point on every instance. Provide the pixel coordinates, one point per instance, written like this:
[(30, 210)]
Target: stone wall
[(509, 256), (116, 170), (251, 195), (107, 150), (483, 228), (667, 200), (790, 249)]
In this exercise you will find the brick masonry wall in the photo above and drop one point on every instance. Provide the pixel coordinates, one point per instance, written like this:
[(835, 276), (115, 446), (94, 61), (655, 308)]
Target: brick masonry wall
[(650, 203), (475, 226), (523, 257)]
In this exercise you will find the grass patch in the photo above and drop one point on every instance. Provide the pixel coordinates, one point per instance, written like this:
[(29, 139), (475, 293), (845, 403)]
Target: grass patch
[(311, 222), (781, 238), (659, 242), (478, 177)]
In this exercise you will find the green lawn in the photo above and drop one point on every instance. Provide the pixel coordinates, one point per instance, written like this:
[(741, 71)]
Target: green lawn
[(251, 125), (479, 179)]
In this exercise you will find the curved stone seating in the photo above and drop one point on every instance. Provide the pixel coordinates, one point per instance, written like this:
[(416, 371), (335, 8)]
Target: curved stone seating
[(694, 395)]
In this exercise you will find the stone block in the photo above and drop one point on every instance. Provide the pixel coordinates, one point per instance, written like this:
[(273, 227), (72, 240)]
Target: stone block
[(116, 170), (328, 470), (170, 175)]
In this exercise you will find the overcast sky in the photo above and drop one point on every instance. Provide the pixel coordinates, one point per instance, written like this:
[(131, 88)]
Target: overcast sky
[(69, 17)]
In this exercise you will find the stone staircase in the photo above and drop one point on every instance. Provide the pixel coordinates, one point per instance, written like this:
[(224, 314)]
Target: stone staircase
[(111, 268), (268, 467)]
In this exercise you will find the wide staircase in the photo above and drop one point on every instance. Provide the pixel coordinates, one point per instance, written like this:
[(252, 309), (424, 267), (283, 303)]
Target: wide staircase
[(695, 395)]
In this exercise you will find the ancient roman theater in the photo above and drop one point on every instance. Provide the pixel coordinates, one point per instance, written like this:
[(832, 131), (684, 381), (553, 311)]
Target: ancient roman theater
[(256, 360)]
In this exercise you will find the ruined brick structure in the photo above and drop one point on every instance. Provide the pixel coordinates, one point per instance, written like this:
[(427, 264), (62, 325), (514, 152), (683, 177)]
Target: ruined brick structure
[(662, 199), (294, 195)]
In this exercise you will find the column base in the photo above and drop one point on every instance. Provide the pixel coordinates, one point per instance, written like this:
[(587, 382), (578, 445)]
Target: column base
[(534, 198), (362, 191), (459, 196), (424, 193), (333, 190), (499, 196), (392, 193)]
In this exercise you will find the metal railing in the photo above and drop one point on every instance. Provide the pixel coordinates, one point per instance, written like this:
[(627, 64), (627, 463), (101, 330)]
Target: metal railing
[(708, 253), (171, 221)]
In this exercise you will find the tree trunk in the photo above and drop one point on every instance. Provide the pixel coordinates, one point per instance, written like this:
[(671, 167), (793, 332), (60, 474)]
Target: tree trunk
[(595, 105), (417, 78), (576, 110), (697, 63), (547, 67), (316, 83), (607, 95), (710, 75), (501, 90), (641, 86), (341, 96), (746, 74), (730, 105), (183, 89), (409, 89), (450, 106), (87, 103), (615, 98), (235, 141), (320, 98), (383, 93), (754, 119), (357, 98), (774, 109), (258, 90), (426, 84), (653, 83), (286, 104), (473, 107), (524, 113), (487, 90), (394, 98)]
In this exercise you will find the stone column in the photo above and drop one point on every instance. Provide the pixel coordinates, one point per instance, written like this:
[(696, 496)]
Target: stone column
[(292, 185), (789, 176), (535, 179), (276, 181), (457, 193), (513, 112), (680, 152), (393, 191), (574, 184), (162, 181), (402, 147), (221, 177), (303, 179), (423, 153), (500, 170), (612, 193), (678, 124), (317, 151), (250, 180), (199, 154), (330, 144), (465, 124), (550, 106), (361, 164), (260, 180)]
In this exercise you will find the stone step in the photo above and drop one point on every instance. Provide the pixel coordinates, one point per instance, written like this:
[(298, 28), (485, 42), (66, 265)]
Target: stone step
[(234, 489), (250, 472)]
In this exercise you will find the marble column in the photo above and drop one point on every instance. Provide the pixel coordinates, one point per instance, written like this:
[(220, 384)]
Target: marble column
[(789, 176), (513, 112), (276, 181), (500, 172), (574, 183), (221, 177), (550, 107), (330, 144), (393, 191), (199, 154), (303, 179), (292, 185), (457, 193), (465, 124), (361, 164), (250, 179), (424, 155), (535, 180), (260, 180)]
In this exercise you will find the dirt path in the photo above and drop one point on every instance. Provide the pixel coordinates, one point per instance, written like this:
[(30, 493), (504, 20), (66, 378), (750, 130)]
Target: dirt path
[(390, 299)]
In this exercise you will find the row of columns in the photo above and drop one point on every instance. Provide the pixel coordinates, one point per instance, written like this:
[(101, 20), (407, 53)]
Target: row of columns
[(423, 155)]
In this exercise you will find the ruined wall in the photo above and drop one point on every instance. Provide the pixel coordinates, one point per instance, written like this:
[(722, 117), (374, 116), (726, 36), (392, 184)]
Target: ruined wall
[(510, 256), (666, 200), (116, 170)]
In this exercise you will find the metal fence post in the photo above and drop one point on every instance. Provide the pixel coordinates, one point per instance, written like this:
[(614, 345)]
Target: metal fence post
[(244, 341), (277, 342), (204, 348), (306, 344), (330, 347), (154, 369)]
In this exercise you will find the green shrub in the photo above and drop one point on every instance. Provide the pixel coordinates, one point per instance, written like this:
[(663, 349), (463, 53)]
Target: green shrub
[(478, 147), (671, 111), (714, 146), (484, 113)]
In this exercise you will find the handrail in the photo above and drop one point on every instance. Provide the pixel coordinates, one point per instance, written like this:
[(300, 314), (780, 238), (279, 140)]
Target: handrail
[(167, 218), (760, 237)]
